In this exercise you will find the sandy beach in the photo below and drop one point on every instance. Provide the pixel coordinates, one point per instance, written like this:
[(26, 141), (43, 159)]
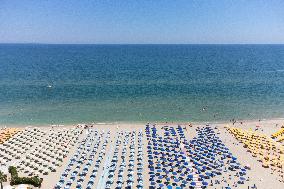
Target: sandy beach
[(49, 150), (123, 94)]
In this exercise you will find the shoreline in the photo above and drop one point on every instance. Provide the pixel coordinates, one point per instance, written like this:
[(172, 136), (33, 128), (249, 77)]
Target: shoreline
[(243, 121)]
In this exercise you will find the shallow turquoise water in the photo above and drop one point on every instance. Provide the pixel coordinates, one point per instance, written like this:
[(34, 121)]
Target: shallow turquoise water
[(106, 83)]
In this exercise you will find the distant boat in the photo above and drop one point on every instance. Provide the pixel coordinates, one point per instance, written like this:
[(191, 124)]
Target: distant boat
[(49, 86)]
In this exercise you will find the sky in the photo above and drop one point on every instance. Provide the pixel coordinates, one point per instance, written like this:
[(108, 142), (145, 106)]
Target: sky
[(142, 21)]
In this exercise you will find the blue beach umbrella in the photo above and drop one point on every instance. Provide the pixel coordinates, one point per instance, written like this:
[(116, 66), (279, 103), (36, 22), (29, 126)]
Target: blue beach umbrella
[(208, 174), (205, 183), (242, 178), (190, 176), (243, 173)]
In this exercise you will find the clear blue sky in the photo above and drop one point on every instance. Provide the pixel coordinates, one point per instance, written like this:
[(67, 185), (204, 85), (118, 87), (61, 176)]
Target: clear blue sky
[(141, 21)]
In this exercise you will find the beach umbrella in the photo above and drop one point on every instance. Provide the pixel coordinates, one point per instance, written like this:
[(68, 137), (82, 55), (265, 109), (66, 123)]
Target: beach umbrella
[(161, 185), (192, 183), (242, 178), (184, 182), (205, 183)]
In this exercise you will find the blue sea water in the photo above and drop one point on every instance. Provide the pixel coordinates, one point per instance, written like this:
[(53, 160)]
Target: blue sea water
[(43, 84)]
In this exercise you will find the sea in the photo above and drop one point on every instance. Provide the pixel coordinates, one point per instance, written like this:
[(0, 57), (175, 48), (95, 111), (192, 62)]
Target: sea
[(67, 84)]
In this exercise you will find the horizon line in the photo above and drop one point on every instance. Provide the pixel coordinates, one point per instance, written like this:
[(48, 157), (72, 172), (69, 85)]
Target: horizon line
[(27, 43)]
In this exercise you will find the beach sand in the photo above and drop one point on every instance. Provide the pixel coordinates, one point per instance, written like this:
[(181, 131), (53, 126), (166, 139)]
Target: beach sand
[(262, 177)]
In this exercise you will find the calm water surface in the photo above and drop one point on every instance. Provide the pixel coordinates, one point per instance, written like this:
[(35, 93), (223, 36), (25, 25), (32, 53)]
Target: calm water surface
[(43, 84)]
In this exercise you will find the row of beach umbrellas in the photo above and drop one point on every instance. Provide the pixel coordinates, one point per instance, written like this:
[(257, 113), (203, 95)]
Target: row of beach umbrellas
[(269, 152)]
